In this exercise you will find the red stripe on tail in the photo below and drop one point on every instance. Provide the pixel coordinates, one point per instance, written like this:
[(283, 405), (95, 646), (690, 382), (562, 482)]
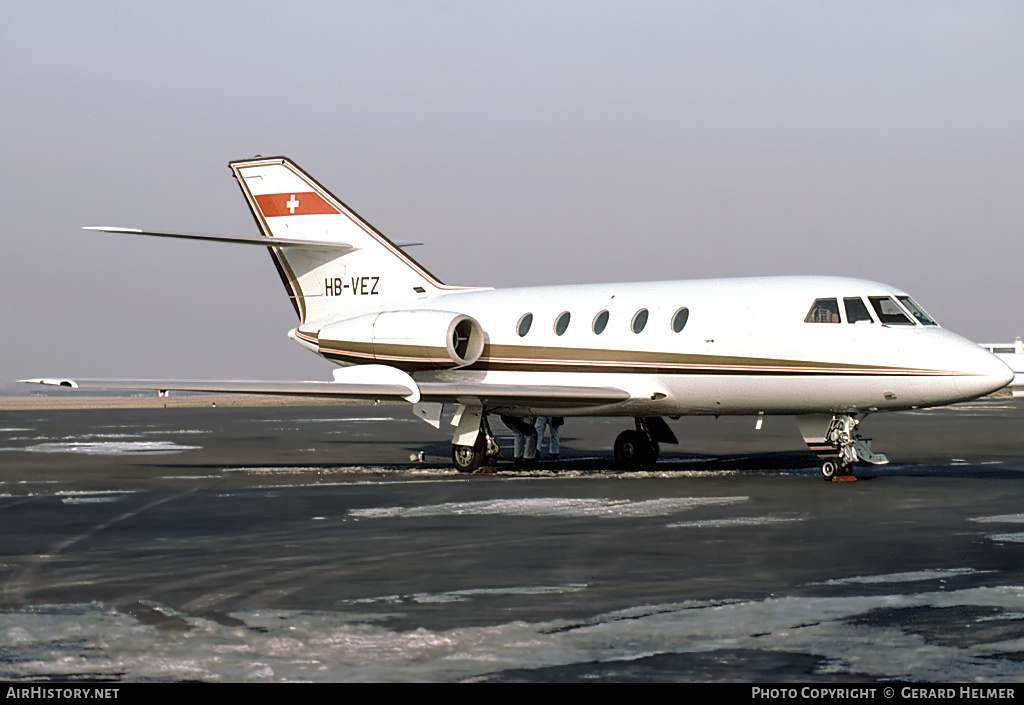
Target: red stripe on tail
[(275, 205)]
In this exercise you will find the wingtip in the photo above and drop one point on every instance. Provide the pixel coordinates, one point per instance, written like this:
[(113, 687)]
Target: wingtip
[(51, 382)]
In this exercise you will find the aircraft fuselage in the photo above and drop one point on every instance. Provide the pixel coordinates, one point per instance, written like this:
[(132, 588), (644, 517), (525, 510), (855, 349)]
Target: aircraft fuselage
[(744, 347)]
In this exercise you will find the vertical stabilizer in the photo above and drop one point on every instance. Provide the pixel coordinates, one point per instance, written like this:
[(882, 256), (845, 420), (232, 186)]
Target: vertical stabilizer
[(326, 285)]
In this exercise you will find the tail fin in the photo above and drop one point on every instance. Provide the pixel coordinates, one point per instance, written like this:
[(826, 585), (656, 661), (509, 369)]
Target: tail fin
[(325, 285)]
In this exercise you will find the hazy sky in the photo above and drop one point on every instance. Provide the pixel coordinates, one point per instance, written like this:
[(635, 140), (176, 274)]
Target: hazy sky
[(523, 142)]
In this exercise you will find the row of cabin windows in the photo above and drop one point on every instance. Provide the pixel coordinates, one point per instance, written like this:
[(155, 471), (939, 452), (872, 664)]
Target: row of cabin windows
[(886, 309), (600, 321)]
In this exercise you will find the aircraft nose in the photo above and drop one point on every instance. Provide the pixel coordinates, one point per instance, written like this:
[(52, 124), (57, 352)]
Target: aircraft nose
[(984, 372)]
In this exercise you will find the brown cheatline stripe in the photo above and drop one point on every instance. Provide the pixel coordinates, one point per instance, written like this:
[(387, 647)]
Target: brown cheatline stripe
[(513, 353), (620, 361), (689, 370), (409, 366)]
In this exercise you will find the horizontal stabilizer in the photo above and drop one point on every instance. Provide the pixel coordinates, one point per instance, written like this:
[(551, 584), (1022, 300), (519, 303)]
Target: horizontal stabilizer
[(259, 240)]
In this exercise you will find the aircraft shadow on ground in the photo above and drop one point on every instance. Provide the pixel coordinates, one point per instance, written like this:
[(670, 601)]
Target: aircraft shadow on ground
[(435, 457)]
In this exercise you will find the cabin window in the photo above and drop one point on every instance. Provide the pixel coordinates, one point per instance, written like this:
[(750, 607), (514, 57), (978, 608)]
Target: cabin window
[(562, 322), (600, 322), (916, 311), (856, 310), (679, 319), (524, 324), (823, 311), (639, 320), (889, 312)]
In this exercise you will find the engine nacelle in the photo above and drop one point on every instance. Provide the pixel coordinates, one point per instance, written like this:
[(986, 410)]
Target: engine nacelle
[(405, 339)]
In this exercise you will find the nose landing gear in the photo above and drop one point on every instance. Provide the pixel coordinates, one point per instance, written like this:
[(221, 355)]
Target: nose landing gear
[(838, 444), (832, 468)]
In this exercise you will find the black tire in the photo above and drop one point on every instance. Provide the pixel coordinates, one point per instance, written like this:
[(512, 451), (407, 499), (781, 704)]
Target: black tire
[(653, 453), (469, 458), (830, 468), (633, 451)]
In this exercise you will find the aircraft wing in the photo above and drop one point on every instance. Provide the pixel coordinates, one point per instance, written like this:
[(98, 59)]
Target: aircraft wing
[(369, 382), (347, 390)]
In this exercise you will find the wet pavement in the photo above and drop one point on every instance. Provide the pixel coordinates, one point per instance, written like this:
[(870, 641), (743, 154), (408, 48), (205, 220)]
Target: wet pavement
[(302, 543)]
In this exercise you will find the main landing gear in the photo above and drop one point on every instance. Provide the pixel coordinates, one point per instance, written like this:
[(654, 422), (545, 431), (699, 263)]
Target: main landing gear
[(639, 449), (838, 444), (634, 449), (483, 451)]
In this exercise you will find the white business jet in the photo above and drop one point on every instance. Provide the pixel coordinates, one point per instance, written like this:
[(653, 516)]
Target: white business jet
[(828, 350)]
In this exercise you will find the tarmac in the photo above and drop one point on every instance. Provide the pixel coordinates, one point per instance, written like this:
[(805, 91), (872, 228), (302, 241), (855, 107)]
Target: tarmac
[(280, 543)]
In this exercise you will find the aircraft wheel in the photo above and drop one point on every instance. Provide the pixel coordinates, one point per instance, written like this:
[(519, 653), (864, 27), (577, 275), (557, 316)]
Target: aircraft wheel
[(469, 458), (829, 469), (633, 451), (653, 452)]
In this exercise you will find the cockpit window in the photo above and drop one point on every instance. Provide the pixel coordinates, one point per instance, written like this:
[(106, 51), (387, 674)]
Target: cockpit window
[(889, 312), (823, 311), (916, 311), (856, 310)]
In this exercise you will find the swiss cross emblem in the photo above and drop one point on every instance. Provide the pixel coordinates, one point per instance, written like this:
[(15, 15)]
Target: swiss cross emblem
[(284, 204)]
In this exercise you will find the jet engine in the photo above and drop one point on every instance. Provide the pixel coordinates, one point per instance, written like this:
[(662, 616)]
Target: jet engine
[(405, 339)]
